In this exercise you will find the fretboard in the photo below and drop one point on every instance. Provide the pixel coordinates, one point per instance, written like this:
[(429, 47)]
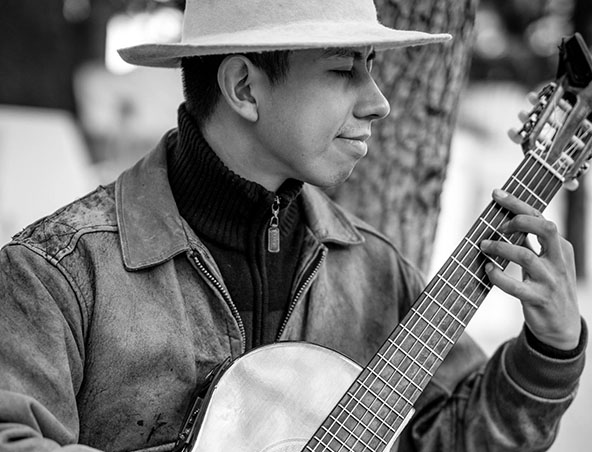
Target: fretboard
[(381, 399)]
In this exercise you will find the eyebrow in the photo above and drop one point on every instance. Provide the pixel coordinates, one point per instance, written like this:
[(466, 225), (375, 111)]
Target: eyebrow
[(347, 52)]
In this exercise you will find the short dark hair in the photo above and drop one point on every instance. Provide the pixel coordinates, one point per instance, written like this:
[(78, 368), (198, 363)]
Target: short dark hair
[(200, 79)]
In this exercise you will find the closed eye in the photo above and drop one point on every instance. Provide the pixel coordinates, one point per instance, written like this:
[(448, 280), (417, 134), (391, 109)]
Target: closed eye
[(345, 73)]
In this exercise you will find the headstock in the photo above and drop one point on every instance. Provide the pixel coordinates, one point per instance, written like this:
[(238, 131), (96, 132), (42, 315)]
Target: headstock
[(558, 130)]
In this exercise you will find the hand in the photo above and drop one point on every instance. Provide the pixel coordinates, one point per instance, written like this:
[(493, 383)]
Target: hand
[(548, 288)]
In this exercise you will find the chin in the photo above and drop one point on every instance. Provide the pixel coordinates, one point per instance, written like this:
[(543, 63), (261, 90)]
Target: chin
[(333, 180)]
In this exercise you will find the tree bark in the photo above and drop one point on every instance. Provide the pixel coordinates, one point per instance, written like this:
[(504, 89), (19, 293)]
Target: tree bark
[(397, 186)]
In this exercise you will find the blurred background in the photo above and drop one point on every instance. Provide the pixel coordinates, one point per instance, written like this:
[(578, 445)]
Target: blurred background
[(73, 115)]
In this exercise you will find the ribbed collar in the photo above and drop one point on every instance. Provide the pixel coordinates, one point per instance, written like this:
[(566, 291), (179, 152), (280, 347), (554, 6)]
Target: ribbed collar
[(216, 202)]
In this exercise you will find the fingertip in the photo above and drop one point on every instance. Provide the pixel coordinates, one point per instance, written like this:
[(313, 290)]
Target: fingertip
[(499, 193)]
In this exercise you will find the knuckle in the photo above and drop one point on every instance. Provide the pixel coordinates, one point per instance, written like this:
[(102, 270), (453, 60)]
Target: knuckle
[(550, 228), (527, 257)]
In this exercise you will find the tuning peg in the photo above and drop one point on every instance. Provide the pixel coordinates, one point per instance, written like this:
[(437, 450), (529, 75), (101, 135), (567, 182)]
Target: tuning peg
[(515, 136), (524, 116), (532, 97), (572, 184)]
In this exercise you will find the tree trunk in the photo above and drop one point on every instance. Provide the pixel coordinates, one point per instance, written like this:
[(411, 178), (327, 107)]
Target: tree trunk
[(397, 186)]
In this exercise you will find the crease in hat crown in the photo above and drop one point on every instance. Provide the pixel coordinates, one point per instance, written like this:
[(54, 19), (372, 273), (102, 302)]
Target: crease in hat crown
[(236, 26)]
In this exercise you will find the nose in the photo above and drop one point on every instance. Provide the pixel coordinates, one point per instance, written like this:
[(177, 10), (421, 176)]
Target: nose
[(371, 103)]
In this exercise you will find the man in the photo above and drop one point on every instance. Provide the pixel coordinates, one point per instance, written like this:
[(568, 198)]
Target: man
[(115, 308)]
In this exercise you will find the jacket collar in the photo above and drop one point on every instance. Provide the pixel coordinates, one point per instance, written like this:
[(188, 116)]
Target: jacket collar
[(152, 231)]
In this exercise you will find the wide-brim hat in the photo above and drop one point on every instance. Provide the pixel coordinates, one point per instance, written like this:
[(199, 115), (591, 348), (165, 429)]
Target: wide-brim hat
[(240, 26)]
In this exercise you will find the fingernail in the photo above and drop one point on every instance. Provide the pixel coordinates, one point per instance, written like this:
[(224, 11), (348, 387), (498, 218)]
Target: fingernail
[(500, 194), (488, 267)]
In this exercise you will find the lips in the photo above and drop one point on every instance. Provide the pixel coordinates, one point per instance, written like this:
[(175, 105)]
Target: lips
[(357, 137), (356, 144)]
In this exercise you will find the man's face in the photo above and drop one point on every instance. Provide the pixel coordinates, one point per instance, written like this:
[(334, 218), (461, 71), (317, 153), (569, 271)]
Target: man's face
[(314, 125)]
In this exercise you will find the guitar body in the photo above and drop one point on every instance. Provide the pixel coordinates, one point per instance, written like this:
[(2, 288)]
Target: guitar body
[(274, 398)]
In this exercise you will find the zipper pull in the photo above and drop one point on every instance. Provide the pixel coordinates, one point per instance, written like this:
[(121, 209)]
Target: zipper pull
[(273, 231)]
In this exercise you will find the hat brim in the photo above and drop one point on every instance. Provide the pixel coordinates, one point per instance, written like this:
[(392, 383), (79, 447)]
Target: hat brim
[(297, 36)]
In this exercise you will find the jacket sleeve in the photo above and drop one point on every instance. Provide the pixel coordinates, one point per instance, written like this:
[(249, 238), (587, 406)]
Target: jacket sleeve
[(41, 354), (513, 401)]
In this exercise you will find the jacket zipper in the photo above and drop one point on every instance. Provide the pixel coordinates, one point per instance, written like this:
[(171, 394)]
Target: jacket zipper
[(226, 297), (301, 291), (273, 231)]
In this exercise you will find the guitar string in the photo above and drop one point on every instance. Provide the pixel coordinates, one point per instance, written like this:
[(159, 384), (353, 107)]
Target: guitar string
[(446, 277), (585, 135), (358, 402), (530, 194), (386, 402)]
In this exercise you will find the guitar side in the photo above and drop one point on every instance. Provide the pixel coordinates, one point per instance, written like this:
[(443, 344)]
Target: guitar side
[(274, 398)]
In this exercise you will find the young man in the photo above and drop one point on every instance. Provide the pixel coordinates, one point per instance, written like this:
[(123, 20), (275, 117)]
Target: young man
[(115, 308)]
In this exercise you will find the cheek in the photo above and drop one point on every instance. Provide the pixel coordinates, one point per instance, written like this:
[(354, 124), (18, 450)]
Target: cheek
[(305, 121)]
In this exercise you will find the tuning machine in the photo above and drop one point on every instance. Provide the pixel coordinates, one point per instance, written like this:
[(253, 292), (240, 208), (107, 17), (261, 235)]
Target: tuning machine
[(530, 119)]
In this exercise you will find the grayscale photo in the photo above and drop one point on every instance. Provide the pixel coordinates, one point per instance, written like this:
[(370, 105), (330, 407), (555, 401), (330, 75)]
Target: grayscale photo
[(295, 225)]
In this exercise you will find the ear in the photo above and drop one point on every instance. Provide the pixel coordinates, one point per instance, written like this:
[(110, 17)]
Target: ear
[(238, 79)]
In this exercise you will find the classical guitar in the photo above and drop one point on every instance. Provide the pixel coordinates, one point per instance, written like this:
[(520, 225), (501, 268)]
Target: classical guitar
[(293, 396)]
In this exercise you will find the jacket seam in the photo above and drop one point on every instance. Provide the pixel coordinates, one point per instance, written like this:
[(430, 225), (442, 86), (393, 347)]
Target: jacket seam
[(82, 306), (69, 247)]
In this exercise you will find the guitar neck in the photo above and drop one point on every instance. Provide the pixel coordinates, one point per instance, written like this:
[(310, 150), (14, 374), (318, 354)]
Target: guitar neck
[(381, 399)]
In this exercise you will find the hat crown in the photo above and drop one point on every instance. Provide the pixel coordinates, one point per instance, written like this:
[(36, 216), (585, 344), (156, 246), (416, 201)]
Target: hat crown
[(215, 17)]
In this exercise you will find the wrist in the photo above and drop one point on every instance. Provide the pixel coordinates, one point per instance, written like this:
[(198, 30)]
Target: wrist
[(550, 377), (567, 351)]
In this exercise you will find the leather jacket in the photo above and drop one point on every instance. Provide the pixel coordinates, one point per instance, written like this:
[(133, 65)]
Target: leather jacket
[(112, 312)]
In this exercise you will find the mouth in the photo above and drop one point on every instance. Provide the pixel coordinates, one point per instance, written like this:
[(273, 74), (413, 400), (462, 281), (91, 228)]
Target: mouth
[(363, 137), (356, 143)]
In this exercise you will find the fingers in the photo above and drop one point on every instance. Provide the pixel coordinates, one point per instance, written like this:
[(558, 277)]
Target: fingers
[(544, 271), (548, 287), (522, 256), (513, 204), (529, 220)]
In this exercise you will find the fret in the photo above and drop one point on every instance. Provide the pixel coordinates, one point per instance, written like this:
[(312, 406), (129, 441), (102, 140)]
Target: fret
[(446, 310), (327, 446), (385, 402), (491, 259), (368, 409), (532, 193), (333, 436), (421, 341), (361, 422), (343, 426), (389, 386), (545, 164), (453, 287), (399, 371), (376, 407), (473, 275), (415, 311), (352, 415), (494, 229)]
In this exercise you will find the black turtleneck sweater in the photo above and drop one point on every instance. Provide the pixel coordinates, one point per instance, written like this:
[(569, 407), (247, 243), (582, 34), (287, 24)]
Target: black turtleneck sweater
[(232, 215)]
